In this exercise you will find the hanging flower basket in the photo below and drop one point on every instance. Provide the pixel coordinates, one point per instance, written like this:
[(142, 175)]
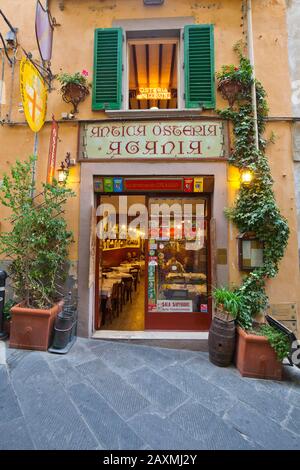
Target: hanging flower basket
[(75, 94), (230, 90), (75, 88)]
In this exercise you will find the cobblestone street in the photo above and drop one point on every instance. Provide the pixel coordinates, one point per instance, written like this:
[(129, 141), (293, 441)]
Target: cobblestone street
[(111, 395)]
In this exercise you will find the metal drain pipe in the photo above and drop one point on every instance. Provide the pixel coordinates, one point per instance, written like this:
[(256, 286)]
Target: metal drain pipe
[(251, 58)]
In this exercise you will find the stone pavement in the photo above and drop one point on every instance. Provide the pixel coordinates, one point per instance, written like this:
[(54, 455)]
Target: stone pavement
[(110, 395)]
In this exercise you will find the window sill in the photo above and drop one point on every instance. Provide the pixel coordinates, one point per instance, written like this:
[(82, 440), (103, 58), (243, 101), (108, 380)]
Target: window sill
[(150, 114)]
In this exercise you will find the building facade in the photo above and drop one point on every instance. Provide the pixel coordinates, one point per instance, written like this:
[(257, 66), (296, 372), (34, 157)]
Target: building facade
[(149, 130)]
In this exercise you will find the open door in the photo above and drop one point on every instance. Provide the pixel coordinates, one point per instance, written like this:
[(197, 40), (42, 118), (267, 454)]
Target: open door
[(95, 266)]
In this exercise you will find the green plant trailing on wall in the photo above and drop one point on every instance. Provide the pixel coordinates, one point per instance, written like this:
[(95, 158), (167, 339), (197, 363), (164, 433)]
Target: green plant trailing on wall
[(38, 241), (255, 209)]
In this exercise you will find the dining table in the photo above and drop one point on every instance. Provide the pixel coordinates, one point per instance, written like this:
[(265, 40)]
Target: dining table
[(193, 277), (117, 275), (122, 269), (198, 289)]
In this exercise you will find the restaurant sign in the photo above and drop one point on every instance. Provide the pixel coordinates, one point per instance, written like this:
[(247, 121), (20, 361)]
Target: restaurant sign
[(110, 140)]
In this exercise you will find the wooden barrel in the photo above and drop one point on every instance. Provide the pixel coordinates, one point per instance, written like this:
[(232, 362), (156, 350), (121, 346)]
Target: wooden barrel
[(221, 342)]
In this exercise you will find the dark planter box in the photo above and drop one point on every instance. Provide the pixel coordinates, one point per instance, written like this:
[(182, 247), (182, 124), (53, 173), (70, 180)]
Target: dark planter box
[(32, 328), (7, 324), (256, 358)]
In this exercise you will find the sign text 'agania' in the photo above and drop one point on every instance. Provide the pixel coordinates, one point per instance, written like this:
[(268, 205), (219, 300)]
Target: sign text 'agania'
[(152, 139)]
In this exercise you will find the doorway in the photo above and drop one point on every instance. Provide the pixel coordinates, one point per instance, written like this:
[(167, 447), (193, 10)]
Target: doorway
[(121, 256), (158, 278)]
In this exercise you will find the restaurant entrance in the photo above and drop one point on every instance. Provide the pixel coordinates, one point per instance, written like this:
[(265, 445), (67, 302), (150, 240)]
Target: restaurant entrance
[(153, 258)]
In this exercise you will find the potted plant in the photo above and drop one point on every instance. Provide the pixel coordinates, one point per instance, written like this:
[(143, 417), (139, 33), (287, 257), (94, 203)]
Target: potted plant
[(75, 88), (37, 245), (227, 302), (260, 352), (221, 339), (260, 348), (233, 81)]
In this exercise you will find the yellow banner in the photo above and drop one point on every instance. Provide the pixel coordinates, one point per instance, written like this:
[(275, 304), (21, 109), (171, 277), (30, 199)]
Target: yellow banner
[(34, 95)]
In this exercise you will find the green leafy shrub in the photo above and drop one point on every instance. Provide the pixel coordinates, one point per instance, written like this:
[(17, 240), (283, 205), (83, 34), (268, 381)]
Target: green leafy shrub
[(229, 300), (7, 307), (76, 78), (38, 241), (277, 339)]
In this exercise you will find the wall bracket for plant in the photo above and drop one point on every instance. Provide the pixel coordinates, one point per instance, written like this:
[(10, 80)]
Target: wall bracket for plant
[(75, 94)]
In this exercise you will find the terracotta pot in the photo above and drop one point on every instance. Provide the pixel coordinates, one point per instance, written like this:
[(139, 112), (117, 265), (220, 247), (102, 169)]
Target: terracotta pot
[(255, 357), (32, 328)]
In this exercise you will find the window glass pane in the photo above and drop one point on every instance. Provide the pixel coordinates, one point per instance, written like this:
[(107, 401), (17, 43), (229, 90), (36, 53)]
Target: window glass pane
[(178, 256), (153, 74)]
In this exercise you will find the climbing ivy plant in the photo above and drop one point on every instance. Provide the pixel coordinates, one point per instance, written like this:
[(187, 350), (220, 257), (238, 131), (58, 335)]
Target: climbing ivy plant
[(255, 208)]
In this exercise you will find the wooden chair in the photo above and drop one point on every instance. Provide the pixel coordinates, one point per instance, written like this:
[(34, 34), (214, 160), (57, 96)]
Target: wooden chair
[(120, 296), (135, 273), (115, 302), (128, 290)]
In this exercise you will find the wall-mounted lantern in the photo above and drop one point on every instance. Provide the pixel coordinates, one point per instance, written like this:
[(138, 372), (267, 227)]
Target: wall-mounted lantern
[(63, 171), (247, 177), (251, 251)]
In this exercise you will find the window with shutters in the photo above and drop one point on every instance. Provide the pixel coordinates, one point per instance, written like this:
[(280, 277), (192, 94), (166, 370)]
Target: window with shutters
[(149, 71)]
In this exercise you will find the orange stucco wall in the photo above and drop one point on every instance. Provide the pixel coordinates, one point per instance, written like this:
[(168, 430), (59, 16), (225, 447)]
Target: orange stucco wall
[(73, 51)]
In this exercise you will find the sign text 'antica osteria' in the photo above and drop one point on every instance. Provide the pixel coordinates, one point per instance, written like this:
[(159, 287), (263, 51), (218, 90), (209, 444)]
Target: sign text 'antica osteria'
[(152, 139)]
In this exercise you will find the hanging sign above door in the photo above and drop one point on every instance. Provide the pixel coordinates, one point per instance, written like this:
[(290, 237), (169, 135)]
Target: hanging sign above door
[(111, 140)]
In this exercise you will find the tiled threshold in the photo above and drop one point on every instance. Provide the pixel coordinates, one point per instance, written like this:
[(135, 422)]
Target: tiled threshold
[(111, 334), (191, 340)]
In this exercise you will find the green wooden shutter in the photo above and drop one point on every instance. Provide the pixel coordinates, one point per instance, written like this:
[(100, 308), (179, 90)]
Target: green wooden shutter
[(107, 83), (199, 66)]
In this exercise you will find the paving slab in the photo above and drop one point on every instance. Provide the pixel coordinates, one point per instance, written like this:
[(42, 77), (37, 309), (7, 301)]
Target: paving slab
[(9, 407), (201, 390), (53, 421), (109, 428), (119, 358), (200, 366), (114, 389), (293, 421), (163, 395), (201, 424), (244, 390), (265, 432), (66, 373), (294, 398), (14, 435), (161, 433)]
